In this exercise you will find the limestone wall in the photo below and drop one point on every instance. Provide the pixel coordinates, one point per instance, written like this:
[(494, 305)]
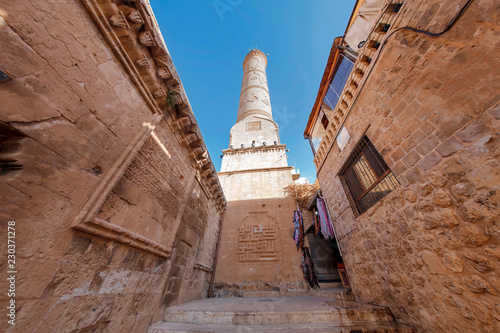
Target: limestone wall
[(430, 250), (257, 183), (257, 250), (117, 206), (257, 129)]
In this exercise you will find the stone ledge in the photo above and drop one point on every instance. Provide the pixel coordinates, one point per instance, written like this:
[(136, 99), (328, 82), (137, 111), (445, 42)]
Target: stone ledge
[(112, 231), (202, 267), (256, 170), (236, 151)]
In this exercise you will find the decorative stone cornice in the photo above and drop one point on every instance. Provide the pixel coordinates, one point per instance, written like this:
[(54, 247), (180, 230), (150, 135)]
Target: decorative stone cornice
[(251, 150), (356, 79), (257, 170), (202, 267), (133, 34)]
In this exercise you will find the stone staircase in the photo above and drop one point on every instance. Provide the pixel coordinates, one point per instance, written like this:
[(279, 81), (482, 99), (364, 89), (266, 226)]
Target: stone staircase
[(335, 293), (291, 314)]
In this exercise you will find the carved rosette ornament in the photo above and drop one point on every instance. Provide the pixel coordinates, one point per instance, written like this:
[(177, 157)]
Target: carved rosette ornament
[(135, 16), (118, 20), (146, 38)]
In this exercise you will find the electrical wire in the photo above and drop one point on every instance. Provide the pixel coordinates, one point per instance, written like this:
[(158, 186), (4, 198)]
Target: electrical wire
[(446, 29)]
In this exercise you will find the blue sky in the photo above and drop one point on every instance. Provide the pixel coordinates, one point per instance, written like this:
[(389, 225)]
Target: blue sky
[(208, 40)]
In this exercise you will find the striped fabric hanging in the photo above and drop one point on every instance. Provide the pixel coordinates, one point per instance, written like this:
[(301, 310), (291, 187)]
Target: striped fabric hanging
[(298, 230), (317, 227), (324, 219)]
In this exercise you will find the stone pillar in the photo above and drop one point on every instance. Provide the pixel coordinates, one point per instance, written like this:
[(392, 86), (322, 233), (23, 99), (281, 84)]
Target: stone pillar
[(254, 97)]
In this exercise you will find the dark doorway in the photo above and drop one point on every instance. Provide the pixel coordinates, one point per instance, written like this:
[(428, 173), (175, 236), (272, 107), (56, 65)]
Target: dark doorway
[(326, 257)]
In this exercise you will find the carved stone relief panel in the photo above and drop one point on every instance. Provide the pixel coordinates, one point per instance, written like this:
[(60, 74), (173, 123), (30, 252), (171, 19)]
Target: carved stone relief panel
[(258, 238), (254, 125)]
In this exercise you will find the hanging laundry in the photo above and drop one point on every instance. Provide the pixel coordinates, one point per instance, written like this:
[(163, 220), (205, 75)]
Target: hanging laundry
[(324, 219), (308, 268), (298, 230)]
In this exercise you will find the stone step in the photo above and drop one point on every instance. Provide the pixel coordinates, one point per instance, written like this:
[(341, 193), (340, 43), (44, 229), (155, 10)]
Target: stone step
[(329, 285), (386, 327), (335, 293), (276, 310)]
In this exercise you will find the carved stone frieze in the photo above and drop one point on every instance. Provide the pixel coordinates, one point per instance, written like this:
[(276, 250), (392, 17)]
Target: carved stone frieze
[(181, 122), (159, 93), (130, 19), (119, 20), (176, 88), (206, 171), (164, 73), (136, 17), (188, 138), (146, 38), (143, 62), (194, 153), (161, 57), (202, 161)]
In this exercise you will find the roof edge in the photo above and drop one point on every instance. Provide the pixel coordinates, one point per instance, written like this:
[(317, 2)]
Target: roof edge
[(330, 65)]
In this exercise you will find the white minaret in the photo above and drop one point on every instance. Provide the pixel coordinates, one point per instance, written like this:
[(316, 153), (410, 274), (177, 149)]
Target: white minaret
[(255, 165), (256, 248), (254, 97)]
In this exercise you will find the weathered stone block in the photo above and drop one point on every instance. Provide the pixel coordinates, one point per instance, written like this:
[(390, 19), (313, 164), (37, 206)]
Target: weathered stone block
[(472, 236), (448, 240), (478, 285), (480, 263), (453, 262), (473, 131), (410, 196), (429, 161), (452, 285), (433, 262), (441, 198), (437, 179), (449, 147), (427, 145)]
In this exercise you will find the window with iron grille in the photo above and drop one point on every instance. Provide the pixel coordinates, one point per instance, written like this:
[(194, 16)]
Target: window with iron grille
[(366, 177)]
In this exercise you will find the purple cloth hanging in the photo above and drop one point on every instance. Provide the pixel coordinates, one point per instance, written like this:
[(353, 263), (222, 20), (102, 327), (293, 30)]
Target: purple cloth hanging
[(324, 219)]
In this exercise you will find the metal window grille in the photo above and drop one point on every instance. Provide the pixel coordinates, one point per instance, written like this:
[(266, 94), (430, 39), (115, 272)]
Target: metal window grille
[(366, 177)]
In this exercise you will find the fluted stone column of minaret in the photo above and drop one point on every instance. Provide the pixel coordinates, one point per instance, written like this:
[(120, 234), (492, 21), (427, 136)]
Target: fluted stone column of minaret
[(254, 97), (255, 150), (254, 124)]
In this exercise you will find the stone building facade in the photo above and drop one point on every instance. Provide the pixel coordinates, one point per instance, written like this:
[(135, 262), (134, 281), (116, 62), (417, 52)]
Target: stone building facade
[(116, 202), (428, 246), (257, 251)]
